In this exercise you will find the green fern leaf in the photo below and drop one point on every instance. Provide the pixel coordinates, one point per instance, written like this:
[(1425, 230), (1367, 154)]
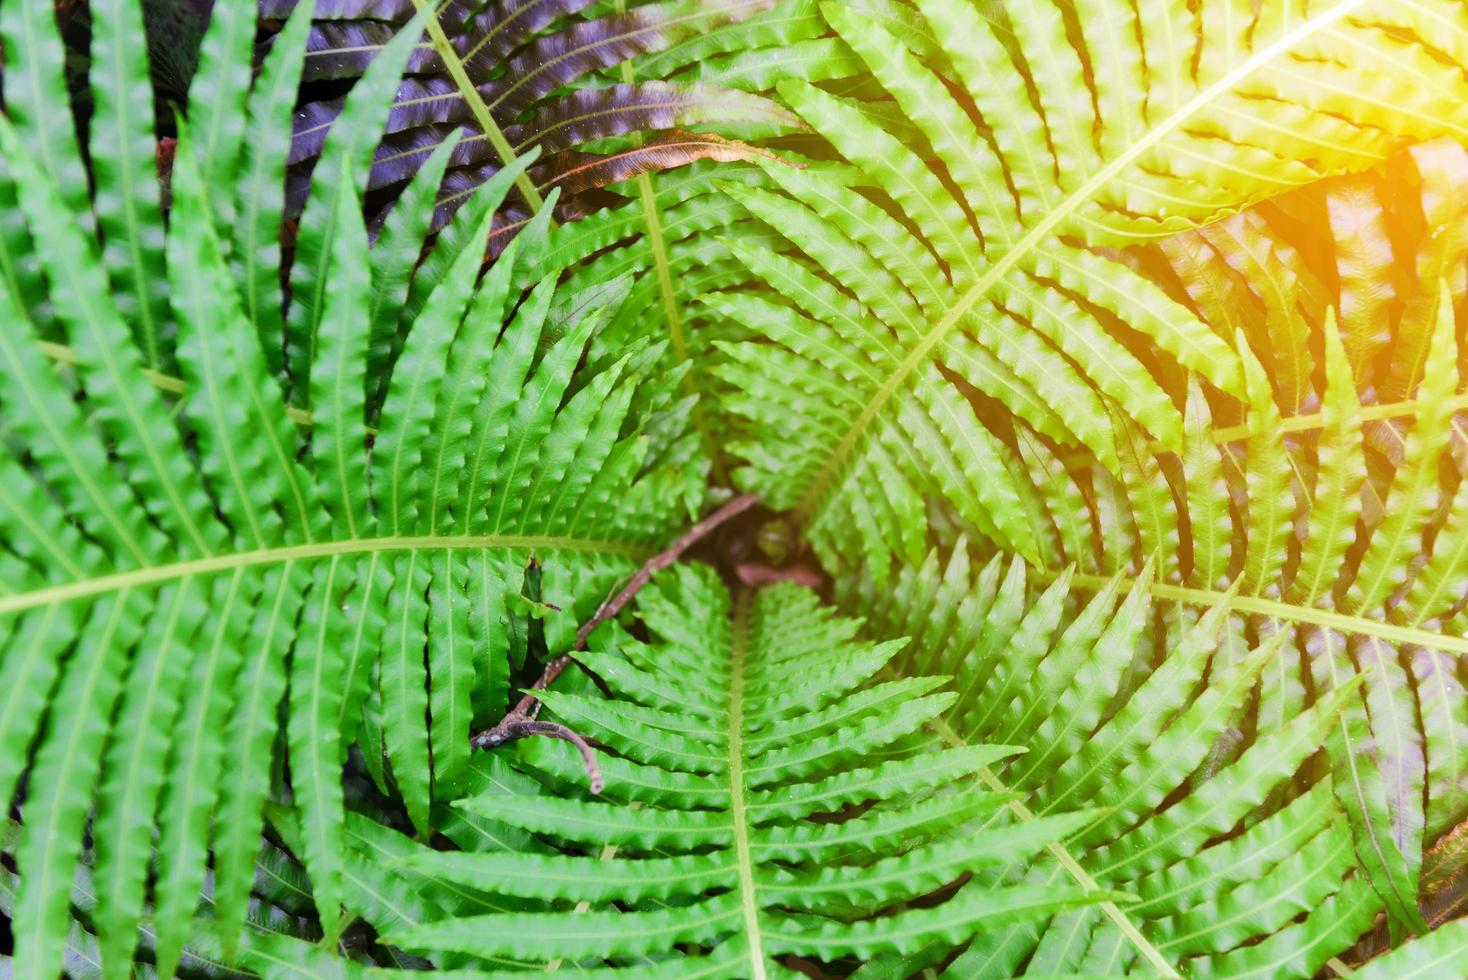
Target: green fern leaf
[(1411, 499), (259, 191), (35, 89), (348, 150), (126, 201), (1004, 206), (1010, 168), (217, 103), (1203, 852), (191, 552), (740, 868)]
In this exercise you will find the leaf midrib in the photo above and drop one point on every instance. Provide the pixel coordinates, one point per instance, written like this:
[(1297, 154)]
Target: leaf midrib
[(1062, 855), (1290, 612), (142, 577), (748, 903), (124, 161), (482, 116), (1040, 232), (658, 246)]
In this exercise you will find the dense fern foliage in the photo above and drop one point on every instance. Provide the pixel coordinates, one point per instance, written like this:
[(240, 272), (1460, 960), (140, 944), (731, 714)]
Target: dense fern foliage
[(1105, 356), (1147, 720), (982, 278), (538, 82), (951, 323), (189, 557), (749, 821)]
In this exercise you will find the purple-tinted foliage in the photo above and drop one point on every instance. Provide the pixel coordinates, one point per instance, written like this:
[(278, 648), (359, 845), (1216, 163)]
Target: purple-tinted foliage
[(398, 11), (555, 60), (399, 156), (527, 58), (599, 113), (426, 101), (344, 49), (459, 185), (309, 128), (510, 219), (575, 172), (503, 26), (581, 117), (545, 66), (452, 15)]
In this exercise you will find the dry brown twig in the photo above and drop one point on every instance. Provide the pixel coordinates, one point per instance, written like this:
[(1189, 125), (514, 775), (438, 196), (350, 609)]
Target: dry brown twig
[(521, 721)]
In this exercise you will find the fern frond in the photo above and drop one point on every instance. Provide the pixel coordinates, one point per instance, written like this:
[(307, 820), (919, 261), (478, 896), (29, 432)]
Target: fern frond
[(277, 924), (186, 559), (1124, 703), (540, 74), (744, 817), (1375, 496), (1142, 316), (1006, 185), (122, 147), (965, 284)]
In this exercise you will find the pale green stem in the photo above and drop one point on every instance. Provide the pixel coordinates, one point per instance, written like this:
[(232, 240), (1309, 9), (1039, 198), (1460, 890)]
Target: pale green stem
[(478, 109), (676, 336), (1068, 862)]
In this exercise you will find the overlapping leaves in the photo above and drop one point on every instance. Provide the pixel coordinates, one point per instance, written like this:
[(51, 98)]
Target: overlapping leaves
[(1025, 303), (1340, 519), (1233, 837), (997, 152), (746, 816), (544, 76), (204, 581), (950, 323)]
